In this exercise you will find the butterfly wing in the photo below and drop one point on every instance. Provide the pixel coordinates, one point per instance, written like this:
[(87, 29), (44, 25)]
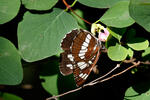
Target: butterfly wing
[(66, 65), (81, 49), (85, 49)]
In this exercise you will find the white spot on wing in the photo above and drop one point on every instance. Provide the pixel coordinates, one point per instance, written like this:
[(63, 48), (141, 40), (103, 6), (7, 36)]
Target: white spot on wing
[(83, 50), (84, 76), (70, 57), (89, 36), (85, 44), (70, 66), (95, 47), (90, 62), (87, 40), (83, 47), (81, 54), (80, 75), (82, 57), (83, 66), (80, 63)]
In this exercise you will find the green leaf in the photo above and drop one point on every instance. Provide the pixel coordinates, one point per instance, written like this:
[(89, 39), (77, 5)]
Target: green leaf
[(50, 84), (8, 96), (8, 10), (81, 23), (138, 43), (130, 52), (117, 52), (111, 41), (100, 3), (39, 4), (39, 36), (139, 91), (140, 11), (146, 54), (118, 15), (117, 32), (11, 72)]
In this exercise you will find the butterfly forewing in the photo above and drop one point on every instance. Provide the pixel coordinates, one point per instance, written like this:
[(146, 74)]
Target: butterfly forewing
[(80, 51)]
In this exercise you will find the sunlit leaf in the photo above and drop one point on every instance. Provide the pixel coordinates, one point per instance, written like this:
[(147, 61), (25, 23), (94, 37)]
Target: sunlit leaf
[(130, 52), (138, 43), (117, 52), (146, 54)]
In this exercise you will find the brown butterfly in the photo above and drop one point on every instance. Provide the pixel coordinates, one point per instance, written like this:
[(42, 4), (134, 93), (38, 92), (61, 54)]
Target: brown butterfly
[(81, 52)]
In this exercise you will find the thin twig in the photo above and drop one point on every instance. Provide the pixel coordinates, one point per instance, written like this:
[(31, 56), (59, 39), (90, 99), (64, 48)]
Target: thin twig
[(60, 95), (88, 84), (98, 80), (91, 83), (69, 7), (129, 61), (146, 62)]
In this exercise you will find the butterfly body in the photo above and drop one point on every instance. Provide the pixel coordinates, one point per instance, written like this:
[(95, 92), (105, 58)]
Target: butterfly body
[(81, 52)]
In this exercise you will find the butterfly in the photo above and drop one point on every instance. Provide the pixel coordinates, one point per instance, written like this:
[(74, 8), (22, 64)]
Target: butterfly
[(81, 52)]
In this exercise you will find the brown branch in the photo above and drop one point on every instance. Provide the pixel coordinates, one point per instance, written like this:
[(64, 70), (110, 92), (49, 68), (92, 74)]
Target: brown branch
[(98, 80), (129, 61), (91, 83), (69, 7), (88, 84), (146, 62), (60, 95)]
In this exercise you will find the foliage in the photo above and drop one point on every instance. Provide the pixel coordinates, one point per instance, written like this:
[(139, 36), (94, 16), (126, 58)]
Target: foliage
[(41, 25)]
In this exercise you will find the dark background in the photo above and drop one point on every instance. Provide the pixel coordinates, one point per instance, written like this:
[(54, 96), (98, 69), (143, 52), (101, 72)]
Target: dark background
[(113, 89)]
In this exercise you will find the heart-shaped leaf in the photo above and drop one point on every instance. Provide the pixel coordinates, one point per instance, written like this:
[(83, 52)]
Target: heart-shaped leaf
[(138, 43), (140, 12), (118, 15), (11, 72), (8, 10), (8, 96), (139, 91), (50, 84), (39, 36), (146, 54), (117, 52), (39, 4), (100, 3)]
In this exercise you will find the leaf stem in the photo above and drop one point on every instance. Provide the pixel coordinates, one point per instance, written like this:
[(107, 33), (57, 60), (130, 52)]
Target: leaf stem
[(69, 7)]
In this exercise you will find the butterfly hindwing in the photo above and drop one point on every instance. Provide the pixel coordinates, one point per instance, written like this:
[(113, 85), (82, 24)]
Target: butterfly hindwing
[(82, 70)]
